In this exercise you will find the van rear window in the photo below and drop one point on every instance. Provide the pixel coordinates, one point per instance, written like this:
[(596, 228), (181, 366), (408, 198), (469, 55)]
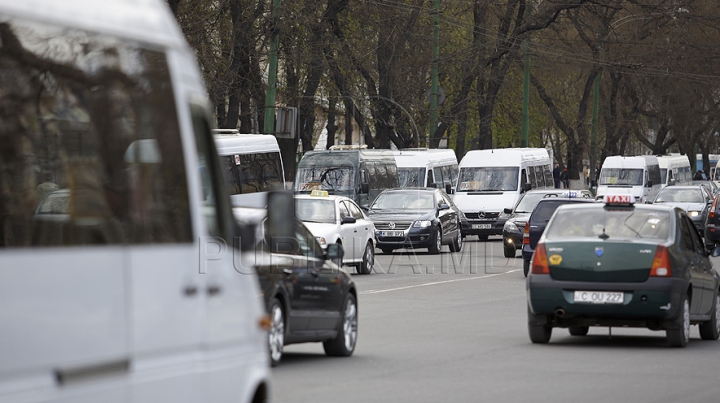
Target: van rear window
[(90, 151)]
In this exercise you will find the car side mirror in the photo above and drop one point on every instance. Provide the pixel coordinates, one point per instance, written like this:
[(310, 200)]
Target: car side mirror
[(715, 252), (507, 210), (365, 207), (364, 188), (431, 185), (448, 189), (671, 182), (527, 187), (649, 183), (444, 206), (334, 252), (648, 201), (348, 220)]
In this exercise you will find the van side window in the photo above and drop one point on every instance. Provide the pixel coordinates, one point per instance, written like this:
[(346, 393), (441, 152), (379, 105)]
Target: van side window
[(523, 178), (439, 179), (393, 180), (549, 181), (453, 174), (532, 178), (430, 177), (382, 175), (250, 173), (88, 156), (212, 206)]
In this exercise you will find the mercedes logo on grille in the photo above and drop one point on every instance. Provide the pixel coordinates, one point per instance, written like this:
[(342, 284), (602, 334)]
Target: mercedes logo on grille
[(391, 225), (481, 214)]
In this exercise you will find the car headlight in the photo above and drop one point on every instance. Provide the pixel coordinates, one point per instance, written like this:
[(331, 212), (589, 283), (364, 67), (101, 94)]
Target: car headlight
[(321, 240), (693, 213), (510, 226), (422, 224)]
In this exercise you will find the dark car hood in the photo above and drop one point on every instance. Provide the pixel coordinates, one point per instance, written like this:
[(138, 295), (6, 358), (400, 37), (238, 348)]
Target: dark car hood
[(396, 215)]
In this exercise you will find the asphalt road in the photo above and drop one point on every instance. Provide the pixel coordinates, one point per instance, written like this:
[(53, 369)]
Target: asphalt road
[(434, 331)]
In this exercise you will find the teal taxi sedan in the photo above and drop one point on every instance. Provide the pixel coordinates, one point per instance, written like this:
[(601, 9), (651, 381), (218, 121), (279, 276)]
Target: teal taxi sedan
[(619, 264)]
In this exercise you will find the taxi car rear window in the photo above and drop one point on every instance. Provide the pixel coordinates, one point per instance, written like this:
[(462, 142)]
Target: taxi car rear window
[(613, 224)]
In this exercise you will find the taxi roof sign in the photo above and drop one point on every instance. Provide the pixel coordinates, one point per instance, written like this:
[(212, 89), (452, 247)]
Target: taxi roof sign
[(570, 193), (323, 193), (619, 199)]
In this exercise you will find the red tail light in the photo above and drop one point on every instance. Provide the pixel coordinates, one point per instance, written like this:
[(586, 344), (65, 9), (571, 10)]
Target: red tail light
[(526, 234), (540, 260), (661, 263), (712, 209)]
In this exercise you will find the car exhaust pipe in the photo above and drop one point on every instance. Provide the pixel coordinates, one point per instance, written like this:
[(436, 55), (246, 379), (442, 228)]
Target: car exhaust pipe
[(560, 312)]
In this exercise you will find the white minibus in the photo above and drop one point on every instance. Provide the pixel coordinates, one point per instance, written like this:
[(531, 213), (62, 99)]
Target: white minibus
[(638, 176), (491, 180), (119, 280), (252, 165), (423, 167), (674, 170)]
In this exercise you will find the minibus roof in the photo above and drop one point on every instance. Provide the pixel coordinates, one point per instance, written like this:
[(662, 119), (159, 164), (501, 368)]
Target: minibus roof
[(245, 144), (503, 157), (421, 157)]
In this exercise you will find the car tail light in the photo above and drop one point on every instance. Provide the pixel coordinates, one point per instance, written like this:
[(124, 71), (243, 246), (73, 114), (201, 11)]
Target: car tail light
[(526, 234), (712, 209), (661, 263), (540, 260)]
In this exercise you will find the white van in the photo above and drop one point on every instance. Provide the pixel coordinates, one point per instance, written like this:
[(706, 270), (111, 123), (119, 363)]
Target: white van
[(252, 165), (423, 167), (491, 180), (111, 292), (638, 176), (674, 170)]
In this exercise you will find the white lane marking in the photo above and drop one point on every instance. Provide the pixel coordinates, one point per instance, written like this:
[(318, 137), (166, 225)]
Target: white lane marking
[(435, 283)]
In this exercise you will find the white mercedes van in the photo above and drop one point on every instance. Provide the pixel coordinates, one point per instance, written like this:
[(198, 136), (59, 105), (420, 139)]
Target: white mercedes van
[(117, 280), (638, 176), (491, 180)]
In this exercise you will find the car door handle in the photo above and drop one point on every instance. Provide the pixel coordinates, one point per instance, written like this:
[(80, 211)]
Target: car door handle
[(190, 290), (213, 290), (288, 271)]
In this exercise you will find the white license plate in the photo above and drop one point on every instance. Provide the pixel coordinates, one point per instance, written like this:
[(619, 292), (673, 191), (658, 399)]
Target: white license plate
[(598, 297), (481, 226), (392, 233)]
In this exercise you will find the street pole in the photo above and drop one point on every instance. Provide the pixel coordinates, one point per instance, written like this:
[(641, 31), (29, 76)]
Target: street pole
[(594, 124), (434, 72), (526, 97), (269, 122)]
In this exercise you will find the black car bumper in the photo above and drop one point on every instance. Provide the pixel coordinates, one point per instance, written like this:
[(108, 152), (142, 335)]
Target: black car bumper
[(654, 303), (413, 238)]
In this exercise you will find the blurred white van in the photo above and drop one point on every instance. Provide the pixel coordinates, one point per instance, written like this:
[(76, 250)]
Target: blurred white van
[(252, 166), (117, 283), (674, 170), (638, 176), (422, 167), (491, 180)]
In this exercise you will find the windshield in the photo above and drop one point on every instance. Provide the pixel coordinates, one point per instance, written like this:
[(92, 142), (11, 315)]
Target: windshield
[(488, 179), (621, 176), (403, 201), (411, 177), (315, 210), (670, 194), (605, 223), (528, 202), (337, 179)]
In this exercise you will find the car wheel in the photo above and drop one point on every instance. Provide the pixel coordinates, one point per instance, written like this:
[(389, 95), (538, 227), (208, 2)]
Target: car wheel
[(578, 330), (344, 344), (710, 330), (679, 337), (456, 244), (387, 251), (368, 260), (276, 334), (434, 249), (509, 251), (526, 267), (539, 334)]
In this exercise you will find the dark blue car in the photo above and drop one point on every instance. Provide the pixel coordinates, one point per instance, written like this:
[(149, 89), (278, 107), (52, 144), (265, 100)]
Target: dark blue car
[(538, 221)]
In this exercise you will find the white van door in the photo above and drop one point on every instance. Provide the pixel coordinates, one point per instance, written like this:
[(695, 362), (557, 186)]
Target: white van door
[(63, 315)]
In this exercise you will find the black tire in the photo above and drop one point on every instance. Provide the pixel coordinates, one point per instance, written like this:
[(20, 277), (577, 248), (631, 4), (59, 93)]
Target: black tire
[(456, 244), (526, 267), (387, 251), (578, 330), (509, 251), (434, 249), (679, 337), (710, 330), (276, 333), (539, 334), (368, 261), (343, 345)]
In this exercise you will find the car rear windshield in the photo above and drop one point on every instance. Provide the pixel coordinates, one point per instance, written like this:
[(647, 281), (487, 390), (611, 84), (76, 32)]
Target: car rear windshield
[(670, 194), (629, 223)]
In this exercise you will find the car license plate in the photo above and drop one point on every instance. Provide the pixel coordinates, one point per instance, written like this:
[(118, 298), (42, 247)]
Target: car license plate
[(392, 233), (481, 226), (598, 297)]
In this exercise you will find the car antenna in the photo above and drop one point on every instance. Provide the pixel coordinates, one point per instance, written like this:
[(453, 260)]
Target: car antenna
[(603, 236)]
